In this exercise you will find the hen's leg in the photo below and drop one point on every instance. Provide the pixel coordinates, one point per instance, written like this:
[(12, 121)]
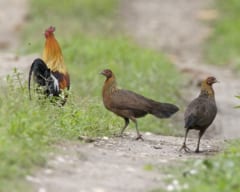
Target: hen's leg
[(124, 127), (199, 138), (184, 146), (139, 136)]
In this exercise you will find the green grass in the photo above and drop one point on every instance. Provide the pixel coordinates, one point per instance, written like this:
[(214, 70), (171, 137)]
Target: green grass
[(70, 17), (28, 129), (219, 173), (223, 46), (88, 52)]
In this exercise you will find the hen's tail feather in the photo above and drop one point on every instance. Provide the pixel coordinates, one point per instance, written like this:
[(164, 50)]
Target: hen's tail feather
[(163, 110)]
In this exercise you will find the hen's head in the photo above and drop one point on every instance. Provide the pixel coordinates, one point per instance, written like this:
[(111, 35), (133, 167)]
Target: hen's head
[(211, 80), (49, 31), (107, 73)]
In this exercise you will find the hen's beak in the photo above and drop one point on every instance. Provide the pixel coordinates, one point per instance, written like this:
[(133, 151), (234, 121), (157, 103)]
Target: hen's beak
[(102, 73)]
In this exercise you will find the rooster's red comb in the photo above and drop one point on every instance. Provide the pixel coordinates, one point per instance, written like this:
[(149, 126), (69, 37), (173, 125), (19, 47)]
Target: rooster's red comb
[(49, 31)]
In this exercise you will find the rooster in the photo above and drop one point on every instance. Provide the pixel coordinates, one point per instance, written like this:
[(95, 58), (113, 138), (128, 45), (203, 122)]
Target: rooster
[(50, 72)]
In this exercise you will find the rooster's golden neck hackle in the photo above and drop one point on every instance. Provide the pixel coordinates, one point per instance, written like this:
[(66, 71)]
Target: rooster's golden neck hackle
[(52, 53)]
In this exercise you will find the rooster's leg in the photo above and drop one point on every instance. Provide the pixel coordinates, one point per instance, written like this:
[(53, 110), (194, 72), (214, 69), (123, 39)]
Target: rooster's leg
[(124, 127), (184, 146)]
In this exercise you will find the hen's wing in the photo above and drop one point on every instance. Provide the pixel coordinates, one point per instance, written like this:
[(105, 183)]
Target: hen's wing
[(200, 112), (124, 99)]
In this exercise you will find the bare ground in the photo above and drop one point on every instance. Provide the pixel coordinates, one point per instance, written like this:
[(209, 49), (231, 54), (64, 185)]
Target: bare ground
[(12, 19), (121, 164), (115, 164)]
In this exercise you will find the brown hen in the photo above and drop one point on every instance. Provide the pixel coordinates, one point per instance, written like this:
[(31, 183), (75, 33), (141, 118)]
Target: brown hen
[(201, 112), (130, 105)]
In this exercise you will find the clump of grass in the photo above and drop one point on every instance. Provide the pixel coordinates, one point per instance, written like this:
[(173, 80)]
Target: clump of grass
[(219, 173), (28, 128), (223, 46), (70, 18)]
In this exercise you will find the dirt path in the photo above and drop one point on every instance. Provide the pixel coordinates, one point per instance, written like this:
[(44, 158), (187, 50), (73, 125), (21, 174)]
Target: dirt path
[(115, 164), (11, 23), (123, 164), (12, 19)]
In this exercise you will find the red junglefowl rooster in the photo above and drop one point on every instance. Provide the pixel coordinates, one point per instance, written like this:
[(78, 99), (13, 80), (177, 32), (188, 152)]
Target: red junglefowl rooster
[(130, 105), (201, 112), (50, 72)]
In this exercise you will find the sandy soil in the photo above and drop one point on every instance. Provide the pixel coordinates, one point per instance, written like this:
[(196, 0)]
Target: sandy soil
[(115, 164), (12, 19), (119, 164)]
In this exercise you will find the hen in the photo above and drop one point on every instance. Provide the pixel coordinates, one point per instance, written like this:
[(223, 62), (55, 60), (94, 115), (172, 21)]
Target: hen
[(201, 112), (50, 72), (130, 105)]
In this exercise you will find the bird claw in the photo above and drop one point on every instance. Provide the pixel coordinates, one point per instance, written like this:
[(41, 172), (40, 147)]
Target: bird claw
[(198, 151), (185, 148), (139, 137), (118, 135)]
